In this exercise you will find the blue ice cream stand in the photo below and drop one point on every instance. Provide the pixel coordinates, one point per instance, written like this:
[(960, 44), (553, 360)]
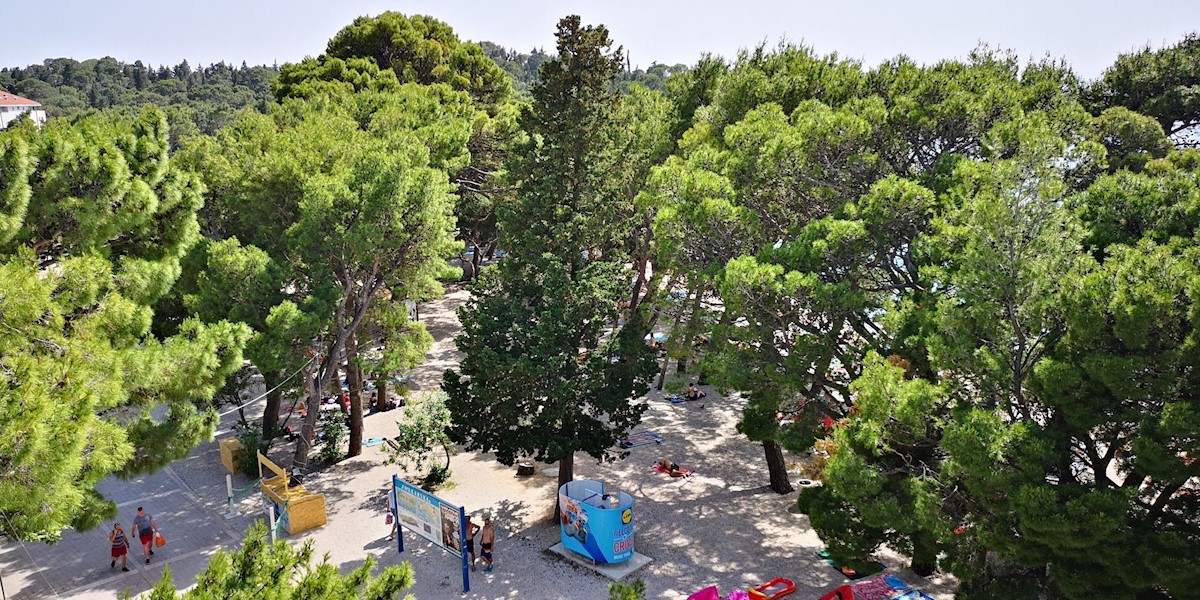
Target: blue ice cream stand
[(594, 522)]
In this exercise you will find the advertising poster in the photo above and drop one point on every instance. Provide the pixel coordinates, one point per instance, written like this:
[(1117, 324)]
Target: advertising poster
[(450, 533), (427, 515), (594, 524)]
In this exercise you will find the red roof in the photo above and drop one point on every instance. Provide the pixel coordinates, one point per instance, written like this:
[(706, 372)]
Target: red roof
[(7, 99)]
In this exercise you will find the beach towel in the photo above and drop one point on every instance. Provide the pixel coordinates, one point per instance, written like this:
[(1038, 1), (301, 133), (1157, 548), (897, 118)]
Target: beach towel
[(640, 438), (375, 441), (677, 399), (683, 471)]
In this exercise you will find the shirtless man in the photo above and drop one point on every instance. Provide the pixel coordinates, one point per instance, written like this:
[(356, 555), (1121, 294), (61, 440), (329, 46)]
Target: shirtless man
[(472, 529), (487, 541)]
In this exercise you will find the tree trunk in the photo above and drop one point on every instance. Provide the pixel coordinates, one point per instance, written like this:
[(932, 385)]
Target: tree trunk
[(662, 374), (777, 467), (641, 259), (324, 372), (638, 284), (309, 430), (274, 403), (690, 331), (476, 261), (354, 377), (924, 558), (381, 393), (566, 474)]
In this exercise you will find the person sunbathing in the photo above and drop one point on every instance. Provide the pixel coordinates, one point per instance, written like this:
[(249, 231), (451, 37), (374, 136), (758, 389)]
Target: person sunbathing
[(694, 393), (671, 468)]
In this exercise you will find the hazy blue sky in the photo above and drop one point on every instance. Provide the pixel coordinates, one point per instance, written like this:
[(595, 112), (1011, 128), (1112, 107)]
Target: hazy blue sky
[(1088, 33)]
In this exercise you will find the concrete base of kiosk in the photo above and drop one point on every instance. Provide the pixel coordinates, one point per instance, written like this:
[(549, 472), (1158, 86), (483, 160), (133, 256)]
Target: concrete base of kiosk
[(613, 571)]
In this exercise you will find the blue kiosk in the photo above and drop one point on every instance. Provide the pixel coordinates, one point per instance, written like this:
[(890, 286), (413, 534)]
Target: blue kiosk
[(596, 524)]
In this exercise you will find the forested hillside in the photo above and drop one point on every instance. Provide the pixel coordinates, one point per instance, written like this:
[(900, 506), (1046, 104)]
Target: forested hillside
[(204, 99), (201, 99), (524, 69)]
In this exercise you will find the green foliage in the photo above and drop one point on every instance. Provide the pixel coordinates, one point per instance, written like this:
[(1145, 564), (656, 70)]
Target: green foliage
[(1123, 208), (347, 200), (635, 590), (200, 100), (260, 569), (1131, 139), (956, 219), (423, 427), (524, 69), (379, 52), (1051, 344), (383, 54), (96, 220), (541, 377), (333, 439), (253, 443), (1159, 83)]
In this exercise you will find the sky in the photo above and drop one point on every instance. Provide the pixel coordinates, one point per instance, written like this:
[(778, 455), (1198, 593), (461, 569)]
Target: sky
[(1089, 34)]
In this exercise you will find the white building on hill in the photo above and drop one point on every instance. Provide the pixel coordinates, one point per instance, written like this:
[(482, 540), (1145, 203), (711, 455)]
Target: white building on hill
[(13, 106)]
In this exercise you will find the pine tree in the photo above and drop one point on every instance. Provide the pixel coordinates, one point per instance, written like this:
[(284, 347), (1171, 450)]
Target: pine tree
[(94, 220), (260, 569), (543, 376)]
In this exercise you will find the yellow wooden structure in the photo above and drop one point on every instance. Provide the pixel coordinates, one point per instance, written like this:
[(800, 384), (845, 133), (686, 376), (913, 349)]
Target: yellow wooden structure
[(298, 508), (231, 450)]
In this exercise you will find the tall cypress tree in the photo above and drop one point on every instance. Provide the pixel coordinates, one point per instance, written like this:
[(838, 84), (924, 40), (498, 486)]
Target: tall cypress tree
[(548, 371)]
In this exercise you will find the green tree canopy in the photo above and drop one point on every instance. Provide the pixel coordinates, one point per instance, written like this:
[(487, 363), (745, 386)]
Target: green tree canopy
[(548, 371), (261, 569), (346, 197), (1159, 83), (417, 49), (95, 221)]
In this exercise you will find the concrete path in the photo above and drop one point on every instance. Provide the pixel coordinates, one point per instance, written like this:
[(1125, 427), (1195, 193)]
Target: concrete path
[(722, 526)]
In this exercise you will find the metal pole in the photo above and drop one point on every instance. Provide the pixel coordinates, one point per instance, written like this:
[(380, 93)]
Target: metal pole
[(271, 514), (462, 546), (228, 492), (396, 515)]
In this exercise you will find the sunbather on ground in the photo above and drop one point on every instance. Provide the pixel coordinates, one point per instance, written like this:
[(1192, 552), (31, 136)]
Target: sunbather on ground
[(671, 468)]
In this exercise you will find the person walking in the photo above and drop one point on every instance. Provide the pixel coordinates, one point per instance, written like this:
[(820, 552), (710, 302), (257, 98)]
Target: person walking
[(391, 514), (146, 528), (472, 529), (120, 546), (487, 542)]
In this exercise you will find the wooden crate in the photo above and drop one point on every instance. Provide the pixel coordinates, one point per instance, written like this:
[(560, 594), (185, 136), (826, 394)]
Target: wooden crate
[(231, 450), (305, 510)]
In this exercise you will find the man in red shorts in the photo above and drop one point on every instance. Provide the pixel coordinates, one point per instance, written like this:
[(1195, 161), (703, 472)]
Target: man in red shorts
[(145, 528)]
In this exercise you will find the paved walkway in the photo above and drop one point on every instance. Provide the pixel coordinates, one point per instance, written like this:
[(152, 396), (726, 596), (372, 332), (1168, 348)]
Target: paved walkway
[(722, 526)]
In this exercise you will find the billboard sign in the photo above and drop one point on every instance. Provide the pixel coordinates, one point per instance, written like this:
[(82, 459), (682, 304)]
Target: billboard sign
[(429, 516)]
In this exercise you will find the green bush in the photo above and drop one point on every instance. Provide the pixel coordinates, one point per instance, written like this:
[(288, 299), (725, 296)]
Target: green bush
[(333, 438), (627, 591), (252, 442)]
